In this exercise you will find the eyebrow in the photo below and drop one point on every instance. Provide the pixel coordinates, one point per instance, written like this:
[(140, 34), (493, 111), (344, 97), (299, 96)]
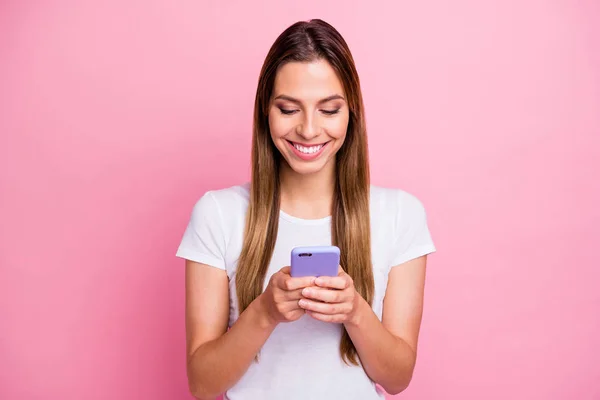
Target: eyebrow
[(325, 100)]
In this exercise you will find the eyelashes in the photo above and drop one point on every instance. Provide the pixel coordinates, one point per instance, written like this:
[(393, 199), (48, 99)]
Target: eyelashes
[(292, 112)]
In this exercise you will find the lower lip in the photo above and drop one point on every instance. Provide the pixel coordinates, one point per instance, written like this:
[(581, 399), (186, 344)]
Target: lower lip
[(305, 156)]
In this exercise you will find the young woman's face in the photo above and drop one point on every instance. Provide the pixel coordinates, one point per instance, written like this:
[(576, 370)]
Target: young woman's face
[(308, 115)]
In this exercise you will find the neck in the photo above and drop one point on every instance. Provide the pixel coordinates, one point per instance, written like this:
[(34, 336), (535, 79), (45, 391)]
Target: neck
[(307, 196)]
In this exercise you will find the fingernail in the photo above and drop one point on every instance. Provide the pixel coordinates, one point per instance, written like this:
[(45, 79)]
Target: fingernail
[(318, 281), (306, 292), (302, 303)]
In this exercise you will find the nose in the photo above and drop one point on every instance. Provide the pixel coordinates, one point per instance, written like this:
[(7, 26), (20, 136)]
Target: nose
[(308, 129)]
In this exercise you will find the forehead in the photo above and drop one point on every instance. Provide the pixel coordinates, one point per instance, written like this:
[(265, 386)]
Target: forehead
[(307, 81)]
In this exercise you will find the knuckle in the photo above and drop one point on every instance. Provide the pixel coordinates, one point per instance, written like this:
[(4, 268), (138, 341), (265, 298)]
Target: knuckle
[(287, 284), (274, 281)]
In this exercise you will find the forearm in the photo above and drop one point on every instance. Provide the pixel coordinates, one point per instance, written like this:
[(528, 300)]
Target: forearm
[(217, 365), (386, 358)]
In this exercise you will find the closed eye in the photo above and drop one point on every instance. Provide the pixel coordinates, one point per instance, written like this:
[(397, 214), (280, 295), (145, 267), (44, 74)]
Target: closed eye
[(330, 112), (287, 112)]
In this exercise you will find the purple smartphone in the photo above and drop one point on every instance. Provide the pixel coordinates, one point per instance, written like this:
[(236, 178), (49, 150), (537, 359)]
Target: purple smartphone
[(315, 261)]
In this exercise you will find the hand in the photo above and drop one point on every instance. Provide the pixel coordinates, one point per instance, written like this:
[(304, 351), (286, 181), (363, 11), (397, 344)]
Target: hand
[(280, 298), (332, 299)]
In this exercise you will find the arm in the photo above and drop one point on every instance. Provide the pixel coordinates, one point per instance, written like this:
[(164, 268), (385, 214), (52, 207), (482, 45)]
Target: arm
[(387, 348), (216, 357)]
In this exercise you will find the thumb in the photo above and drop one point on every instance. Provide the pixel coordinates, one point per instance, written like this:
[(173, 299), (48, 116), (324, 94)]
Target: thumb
[(285, 270)]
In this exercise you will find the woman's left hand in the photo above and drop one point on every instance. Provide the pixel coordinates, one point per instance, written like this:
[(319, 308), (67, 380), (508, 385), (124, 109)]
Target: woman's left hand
[(332, 299)]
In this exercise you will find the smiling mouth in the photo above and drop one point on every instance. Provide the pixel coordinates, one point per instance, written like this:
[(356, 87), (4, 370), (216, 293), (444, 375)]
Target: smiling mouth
[(304, 149)]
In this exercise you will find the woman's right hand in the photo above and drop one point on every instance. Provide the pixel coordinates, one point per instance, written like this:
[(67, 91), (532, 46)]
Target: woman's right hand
[(280, 298)]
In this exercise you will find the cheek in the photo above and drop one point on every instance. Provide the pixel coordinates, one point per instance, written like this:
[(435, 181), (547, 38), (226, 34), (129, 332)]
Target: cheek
[(337, 127), (278, 126)]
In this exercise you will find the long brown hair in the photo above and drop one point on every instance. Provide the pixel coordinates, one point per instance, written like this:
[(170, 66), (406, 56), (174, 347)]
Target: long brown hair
[(306, 42)]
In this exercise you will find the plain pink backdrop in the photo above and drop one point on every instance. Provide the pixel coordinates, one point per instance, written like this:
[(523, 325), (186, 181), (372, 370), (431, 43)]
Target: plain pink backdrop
[(115, 117)]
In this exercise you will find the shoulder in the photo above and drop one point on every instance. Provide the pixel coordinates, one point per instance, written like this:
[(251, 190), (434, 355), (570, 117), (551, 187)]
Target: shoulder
[(400, 226), (230, 198), (392, 202), (224, 203)]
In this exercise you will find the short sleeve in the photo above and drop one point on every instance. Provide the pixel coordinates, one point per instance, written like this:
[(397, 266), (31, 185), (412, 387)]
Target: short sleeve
[(412, 237), (204, 240)]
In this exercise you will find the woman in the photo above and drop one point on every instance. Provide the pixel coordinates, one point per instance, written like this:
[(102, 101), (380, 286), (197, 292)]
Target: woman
[(305, 338)]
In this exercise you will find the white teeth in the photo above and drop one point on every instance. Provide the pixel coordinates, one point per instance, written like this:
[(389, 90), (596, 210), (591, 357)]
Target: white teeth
[(308, 150)]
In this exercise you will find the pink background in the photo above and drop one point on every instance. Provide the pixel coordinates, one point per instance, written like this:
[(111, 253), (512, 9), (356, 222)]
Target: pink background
[(115, 117)]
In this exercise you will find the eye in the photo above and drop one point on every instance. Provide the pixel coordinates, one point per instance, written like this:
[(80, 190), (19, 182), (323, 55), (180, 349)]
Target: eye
[(287, 111), (330, 112)]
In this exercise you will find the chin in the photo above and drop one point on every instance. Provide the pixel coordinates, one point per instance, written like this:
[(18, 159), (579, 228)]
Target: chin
[(306, 168)]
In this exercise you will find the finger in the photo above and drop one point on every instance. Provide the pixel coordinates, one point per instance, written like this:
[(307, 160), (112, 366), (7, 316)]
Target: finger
[(284, 281), (324, 308), (290, 305), (333, 282), (290, 284), (333, 318), (285, 270), (323, 294), (292, 295)]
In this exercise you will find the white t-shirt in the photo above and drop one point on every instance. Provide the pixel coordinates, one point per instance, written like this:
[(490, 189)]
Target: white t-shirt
[(301, 359)]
